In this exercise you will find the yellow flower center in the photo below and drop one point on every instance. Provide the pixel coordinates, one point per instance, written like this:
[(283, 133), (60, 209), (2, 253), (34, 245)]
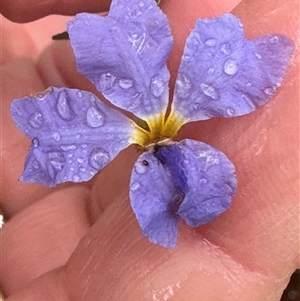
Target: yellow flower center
[(159, 131)]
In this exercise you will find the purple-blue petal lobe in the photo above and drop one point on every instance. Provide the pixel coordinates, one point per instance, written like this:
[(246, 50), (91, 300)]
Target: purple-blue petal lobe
[(153, 198), (224, 75), (74, 135), (205, 177), (124, 54)]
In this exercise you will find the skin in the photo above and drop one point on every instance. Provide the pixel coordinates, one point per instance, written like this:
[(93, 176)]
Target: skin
[(82, 242)]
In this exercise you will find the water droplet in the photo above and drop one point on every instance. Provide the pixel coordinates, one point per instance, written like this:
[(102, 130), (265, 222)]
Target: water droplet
[(157, 86), (84, 145), (68, 147), (240, 24), (125, 83), (80, 160), (231, 67), (70, 161), (183, 86), (86, 21), (225, 48), (35, 142), (138, 41), (136, 11), (80, 94), (77, 136), (94, 117), (210, 42), (209, 90), (82, 169), (99, 158), (141, 168), (63, 107), (35, 164), (257, 55), (36, 120), (274, 39), (70, 155), (56, 136), (141, 4), (106, 81), (249, 84), (230, 111), (76, 179), (270, 91), (72, 169), (202, 181), (57, 160), (135, 186), (210, 70)]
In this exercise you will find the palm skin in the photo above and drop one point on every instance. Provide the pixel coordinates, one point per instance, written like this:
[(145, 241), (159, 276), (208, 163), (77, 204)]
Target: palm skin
[(82, 242)]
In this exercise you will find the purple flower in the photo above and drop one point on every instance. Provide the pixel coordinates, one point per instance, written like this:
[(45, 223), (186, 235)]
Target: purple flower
[(74, 134)]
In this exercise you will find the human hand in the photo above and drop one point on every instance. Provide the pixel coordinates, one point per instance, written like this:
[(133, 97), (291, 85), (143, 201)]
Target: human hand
[(248, 253)]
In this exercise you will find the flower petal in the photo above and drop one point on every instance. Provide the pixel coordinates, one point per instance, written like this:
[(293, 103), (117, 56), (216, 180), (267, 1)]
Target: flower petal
[(204, 175), (152, 195), (73, 134), (124, 54), (224, 75)]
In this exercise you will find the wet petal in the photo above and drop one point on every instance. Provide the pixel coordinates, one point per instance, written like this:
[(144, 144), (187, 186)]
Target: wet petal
[(153, 196), (124, 54), (223, 74), (73, 134), (204, 175)]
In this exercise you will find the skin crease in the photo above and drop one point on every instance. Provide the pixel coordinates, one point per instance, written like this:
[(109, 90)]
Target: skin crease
[(248, 253)]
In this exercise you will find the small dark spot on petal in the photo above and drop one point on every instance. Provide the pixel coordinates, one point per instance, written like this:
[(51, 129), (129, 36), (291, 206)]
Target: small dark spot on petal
[(145, 162)]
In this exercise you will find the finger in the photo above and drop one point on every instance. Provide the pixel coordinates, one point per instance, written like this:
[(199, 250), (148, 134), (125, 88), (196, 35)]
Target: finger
[(30, 10), (28, 39), (42, 236), (113, 263)]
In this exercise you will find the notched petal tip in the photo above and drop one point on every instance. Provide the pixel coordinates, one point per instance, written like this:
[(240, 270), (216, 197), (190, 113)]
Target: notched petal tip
[(224, 75)]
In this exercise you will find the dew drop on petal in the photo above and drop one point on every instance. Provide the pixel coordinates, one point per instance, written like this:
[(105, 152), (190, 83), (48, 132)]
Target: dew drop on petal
[(257, 55), (35, 142), (183, 86), (57, 160), (94, 117), (209, 90), (231, 67), (141, 168), (210, 42), (203, 181), (56, 136), (99, 158), (36, 120), (82, 169), (270, 91), (68, 147), (78, 136), (135, 186), (80, 94), (76, 179), (157, 86), (35, 164), (80, 160), (63, 107), (226, 49), (274, 39), (230, 111), (106, 81), (125, 83), (210, 70)]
